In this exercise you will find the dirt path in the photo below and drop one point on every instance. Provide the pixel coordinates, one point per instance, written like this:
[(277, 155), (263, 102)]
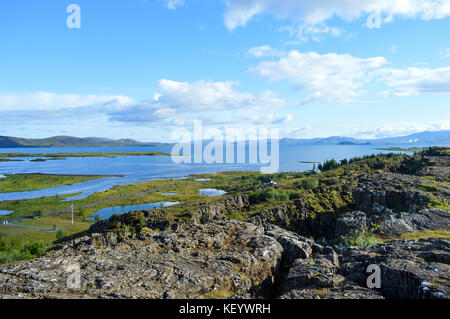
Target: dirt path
[(32, 227)]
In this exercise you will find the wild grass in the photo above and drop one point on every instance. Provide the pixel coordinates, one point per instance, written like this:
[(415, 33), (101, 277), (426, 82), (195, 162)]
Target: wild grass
[(15, 249), (85, 154), (29, 182)]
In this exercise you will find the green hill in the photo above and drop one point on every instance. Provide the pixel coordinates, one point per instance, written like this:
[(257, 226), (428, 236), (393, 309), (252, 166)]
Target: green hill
[(69, 141)]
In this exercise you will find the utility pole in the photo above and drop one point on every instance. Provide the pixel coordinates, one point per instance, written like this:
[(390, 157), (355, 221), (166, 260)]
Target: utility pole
[(71, 206)]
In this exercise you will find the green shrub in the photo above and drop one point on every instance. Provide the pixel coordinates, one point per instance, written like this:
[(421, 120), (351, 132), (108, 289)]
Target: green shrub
[(429, 187), (307, 183), (84, 214), (14, 249), (37, 213), (60, 235), (360, 241), (270, 195), (127, 229), (365, 238)]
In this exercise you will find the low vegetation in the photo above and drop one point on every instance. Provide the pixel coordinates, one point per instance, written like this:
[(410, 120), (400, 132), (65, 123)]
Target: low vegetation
[(333, 164), (15, 249), (270, 195), (307, 183), (29, 182), (84, 154), (434, 202), (364, 238), (426, 234)]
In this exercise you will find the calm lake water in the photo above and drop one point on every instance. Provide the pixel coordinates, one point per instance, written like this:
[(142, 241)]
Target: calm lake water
[(106, 213), (211, 192), (145, 168)]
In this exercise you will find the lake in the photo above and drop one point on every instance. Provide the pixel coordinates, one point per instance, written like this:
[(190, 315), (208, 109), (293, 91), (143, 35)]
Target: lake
[(146, 168), (211, 192), (106, 213)]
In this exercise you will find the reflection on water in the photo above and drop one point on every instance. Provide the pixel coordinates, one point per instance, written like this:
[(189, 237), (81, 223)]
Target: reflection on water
[(106, 213), (211, 192), (5, 212)]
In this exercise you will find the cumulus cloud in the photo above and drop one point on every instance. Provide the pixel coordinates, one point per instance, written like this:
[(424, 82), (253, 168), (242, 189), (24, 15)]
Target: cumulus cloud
[(240, 12), (412, 81), (175, 104), (208, 96), (330, 77), (47, 109), (54, 101), (342, 78), (213, 102)]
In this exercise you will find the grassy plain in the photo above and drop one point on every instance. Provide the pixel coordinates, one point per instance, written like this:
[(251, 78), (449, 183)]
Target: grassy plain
[(29, 182), (84, 154)]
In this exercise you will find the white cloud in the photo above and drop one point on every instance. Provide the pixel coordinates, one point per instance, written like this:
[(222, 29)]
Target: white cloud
[(214, 102), (209, 96), (240, 12), (331, 77), (173, 4), (391, 129), (341, 77), (287, 119), (175, 104), (412, 81), (53, 101)]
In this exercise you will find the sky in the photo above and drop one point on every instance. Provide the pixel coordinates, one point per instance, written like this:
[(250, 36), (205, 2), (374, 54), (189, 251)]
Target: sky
[(142, 69)]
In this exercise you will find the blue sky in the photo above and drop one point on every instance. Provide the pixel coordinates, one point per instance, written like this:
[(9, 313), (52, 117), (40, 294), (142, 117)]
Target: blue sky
[(140, 69)]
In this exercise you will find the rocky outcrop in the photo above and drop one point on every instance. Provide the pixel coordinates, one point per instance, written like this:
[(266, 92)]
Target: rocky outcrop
[(394, 225), (351, 224), (220, 208), (385, 191), (229, 259), (215, 259), (409, 270)]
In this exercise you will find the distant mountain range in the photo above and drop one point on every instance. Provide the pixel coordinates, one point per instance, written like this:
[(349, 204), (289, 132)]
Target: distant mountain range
[(438, 138), (69, 141), (422, 138)]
